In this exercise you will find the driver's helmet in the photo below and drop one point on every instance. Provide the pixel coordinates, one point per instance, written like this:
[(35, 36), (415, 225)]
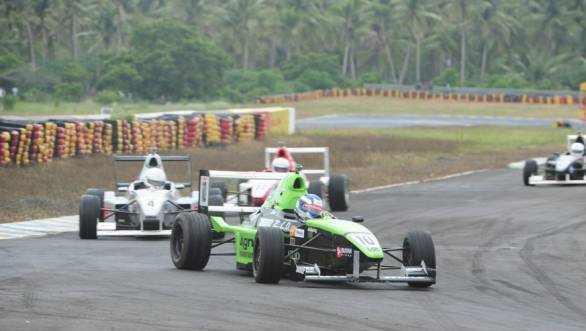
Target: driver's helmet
[(155, 177), (280, 164), (309, 206), (577, 149)]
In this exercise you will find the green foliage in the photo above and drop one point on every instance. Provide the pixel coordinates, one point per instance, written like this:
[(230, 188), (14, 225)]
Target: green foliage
[(247, 85), (447, 77), (8, 60), (108, 97), (316, 80), (510, 80), (299, 64), (169, 60), (9, 101), (371, 77), (70, 91)]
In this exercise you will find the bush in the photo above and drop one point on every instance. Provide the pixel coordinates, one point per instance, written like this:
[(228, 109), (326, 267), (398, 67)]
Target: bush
[(317, 80), (371, 78), (247, 85), (108, 97), (510, 80), (448, 76), (9, 101), (70, 91)]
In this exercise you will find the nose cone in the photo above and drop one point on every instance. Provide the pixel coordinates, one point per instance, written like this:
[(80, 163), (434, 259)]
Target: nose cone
[(151, 202), (563, 163)]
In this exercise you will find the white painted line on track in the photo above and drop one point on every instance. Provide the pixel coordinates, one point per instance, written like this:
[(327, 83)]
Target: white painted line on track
[(38, 228), (377, 188)]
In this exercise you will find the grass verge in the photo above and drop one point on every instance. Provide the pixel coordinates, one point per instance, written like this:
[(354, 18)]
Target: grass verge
[(368, 157), (395, 106)]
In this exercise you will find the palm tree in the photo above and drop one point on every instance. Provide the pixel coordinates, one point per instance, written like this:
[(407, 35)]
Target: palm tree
[(418, 18), (496, 28)]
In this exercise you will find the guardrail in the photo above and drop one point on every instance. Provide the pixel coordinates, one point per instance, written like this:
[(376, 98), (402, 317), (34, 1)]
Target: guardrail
[(436, 93)]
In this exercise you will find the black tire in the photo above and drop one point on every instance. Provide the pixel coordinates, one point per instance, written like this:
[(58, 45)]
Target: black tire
[(222, 187), (418, 246), (100, 194), (269, 252), (89, 212), (216, 200), (338, 195), (316, 187), (191, 241), (529, 170)]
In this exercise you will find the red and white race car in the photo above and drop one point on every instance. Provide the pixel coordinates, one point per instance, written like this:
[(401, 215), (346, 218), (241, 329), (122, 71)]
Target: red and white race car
[(333, 189)]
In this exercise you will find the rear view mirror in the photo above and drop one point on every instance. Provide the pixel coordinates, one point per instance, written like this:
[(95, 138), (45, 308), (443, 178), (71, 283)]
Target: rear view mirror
[(357, 219)]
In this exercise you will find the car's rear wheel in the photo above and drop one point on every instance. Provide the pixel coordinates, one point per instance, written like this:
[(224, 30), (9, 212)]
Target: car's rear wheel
[(98, 192), (191, 241), (316, 187), (418, 247), (269, 252), (338, 194), (530, 169), (89, 212), (217, 200), (222, 187)]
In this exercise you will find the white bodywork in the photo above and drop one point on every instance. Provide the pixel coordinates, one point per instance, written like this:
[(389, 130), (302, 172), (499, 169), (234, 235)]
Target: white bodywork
[(146, 210), (561, 164)]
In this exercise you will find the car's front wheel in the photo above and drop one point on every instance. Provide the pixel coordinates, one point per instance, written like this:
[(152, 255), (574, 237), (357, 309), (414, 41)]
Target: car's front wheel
[(89, 213), (269, 252), (530, 169), (191, 241), (418, 247)]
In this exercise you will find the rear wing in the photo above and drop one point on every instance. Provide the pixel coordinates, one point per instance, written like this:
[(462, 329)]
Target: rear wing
[(122, 186), (205, 177), (140, 158), (325, 151)]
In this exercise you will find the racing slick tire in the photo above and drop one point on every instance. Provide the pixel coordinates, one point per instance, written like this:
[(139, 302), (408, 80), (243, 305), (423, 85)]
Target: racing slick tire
[(269, 252), (529, 170), (417, 247), (100, 194), (316, 187), (89, 212), (222, 187), (191, 241), (216, 200), (338, 195)]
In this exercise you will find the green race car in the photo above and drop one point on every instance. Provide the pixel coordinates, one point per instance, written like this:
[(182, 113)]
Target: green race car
[(273, 242)]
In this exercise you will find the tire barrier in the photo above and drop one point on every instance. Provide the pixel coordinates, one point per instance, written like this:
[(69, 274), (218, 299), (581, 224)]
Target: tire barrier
[(23, 143), (464, 95)]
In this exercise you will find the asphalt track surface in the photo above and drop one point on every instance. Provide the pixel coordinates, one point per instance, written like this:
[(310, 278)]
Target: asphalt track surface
[(397, 121), (509, 258)]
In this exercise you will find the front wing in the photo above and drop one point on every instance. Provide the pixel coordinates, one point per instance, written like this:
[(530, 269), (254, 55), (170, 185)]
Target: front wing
[(109, 229), (540, 180), (410, 275)]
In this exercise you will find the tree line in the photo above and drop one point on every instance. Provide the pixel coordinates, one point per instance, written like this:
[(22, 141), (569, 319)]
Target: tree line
[(239, 49)]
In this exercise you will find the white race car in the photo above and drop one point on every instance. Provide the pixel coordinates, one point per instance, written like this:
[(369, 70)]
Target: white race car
[(254, 192), (148, 208), (559, 169)]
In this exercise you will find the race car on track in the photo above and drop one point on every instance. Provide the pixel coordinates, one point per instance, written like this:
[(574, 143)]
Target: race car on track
[(559, 169), (254, 192), (277, 240), (148, 208)]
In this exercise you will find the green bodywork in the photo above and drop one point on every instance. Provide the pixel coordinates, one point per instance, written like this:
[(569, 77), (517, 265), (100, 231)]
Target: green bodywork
[(285, 197)]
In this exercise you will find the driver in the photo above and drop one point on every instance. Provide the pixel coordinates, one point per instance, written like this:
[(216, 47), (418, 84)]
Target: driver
[(155, 177), (309, 206), (280, 164), (577, 150)]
